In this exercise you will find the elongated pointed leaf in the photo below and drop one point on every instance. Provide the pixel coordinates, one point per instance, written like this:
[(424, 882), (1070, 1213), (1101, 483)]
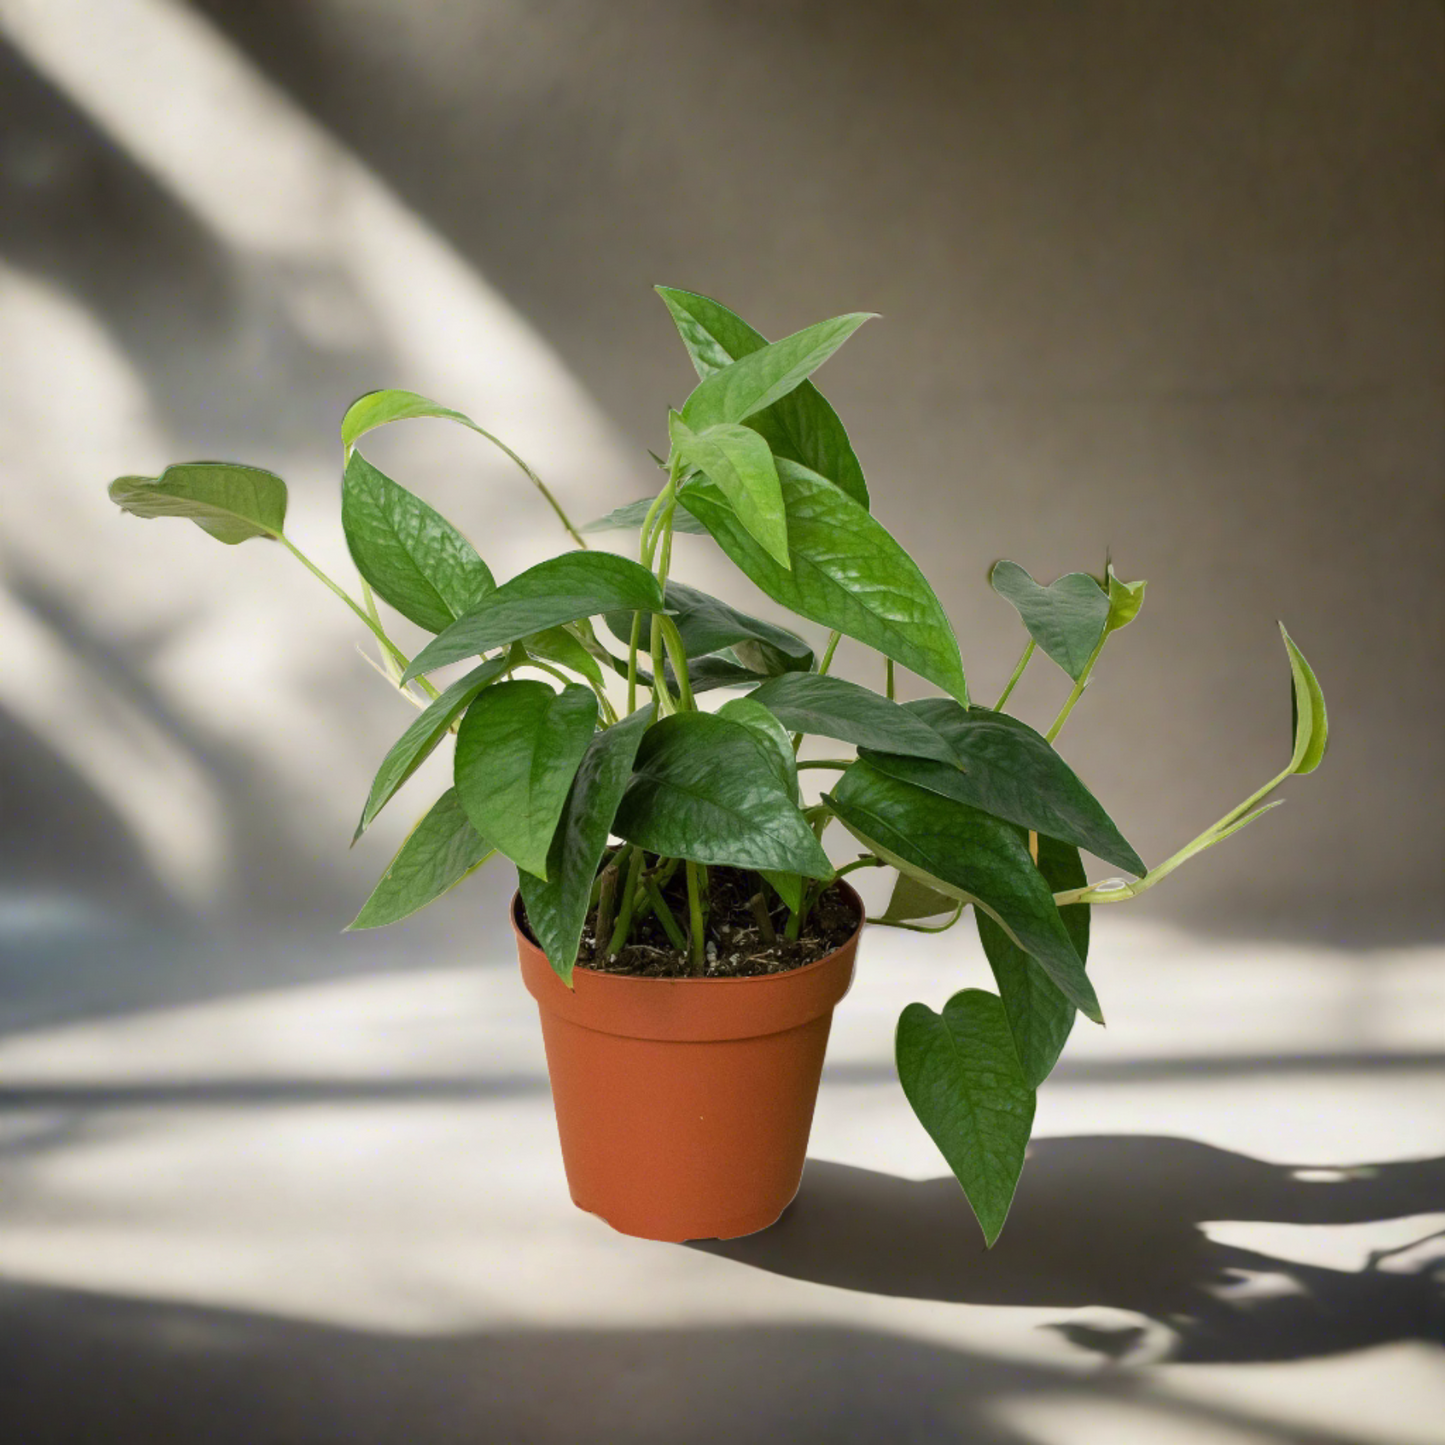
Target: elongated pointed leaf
[(562, 646), (633, 514), (1067, 618), (561, 589), (232, 502), (420, 740), (1040, 1017), (706, 789), (801, 426), (771, 732), (912, 899), (1008, 769), (960, 1074), (966, 853), (438, 853), (377, 408), (848, 573), (518, 749), (756, 381), (557, 908), (833, 707), (413, 557), (740, 462), (1308, 717)]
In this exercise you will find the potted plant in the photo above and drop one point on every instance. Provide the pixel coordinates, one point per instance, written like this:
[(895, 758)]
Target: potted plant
[(679, 923)]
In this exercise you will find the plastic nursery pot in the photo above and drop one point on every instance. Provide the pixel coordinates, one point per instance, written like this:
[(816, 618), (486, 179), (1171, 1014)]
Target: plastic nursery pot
[(684, 1104)]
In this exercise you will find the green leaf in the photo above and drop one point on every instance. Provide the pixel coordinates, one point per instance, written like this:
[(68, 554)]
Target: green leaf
[(771, 732), (518, 750), (960, 1074), (1040, 1017), (1067, 618), (411, 555), (561, 589), (438, 853), (232, 502), (1009, 770), (800, 427), (969, 855), (377, 408), (557, 908), (564, 647), (913, 899), (848, 573), (741, 463), (428, 728), (833, 707), (1125, 600), (756, 381), (1308, 717), (706, 789), (633, 514)]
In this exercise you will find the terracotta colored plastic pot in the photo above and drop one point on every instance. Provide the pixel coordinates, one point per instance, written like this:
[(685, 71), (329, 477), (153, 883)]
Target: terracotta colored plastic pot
[(684, 1105)]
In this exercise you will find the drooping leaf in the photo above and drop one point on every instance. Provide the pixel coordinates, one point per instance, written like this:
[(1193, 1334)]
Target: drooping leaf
[(427, 729), (518, 749), (848, 573), (438, 853), (563, 646), (1008, 769), (754, 382), (968, 854), (1039, 1016), (232, 502), (561, 589), (633, 514), (377, 408), (801, 426), (1308, 718), (557, 908), (833, 707), (410, 554), (912, 899), (960, 1074), (706, 789), (740, 462), (1067, 618)]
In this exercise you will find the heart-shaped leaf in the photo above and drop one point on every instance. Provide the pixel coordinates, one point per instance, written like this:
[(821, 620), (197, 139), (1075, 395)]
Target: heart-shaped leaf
[(557, 908), (1009, 770), (976, 858), (801, 426), (848, 573), (438, 853), (410, 554), (1067, 618), (561, 589), (960, 1074), (741, 463), (756, 381), (633, 514), (705, 788), (232, 502), (518, 750)]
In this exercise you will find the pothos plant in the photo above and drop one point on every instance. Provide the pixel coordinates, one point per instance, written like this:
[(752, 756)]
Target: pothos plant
[(601, 773)]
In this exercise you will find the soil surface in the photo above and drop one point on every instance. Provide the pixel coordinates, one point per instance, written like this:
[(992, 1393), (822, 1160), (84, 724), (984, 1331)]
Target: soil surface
[(735, 944)]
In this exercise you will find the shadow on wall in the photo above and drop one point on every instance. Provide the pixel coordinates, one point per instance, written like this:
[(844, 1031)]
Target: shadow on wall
[(1117, 1222)]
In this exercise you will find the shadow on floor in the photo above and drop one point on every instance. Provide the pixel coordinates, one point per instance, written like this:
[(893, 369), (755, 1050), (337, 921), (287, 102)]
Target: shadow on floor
[(1117, 1222)]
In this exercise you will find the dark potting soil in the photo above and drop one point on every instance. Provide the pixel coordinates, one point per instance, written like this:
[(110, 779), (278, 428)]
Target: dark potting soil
[(735, 944)]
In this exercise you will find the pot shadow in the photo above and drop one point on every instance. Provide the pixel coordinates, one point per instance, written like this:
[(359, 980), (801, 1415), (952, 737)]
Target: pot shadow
[(1117, 1222)]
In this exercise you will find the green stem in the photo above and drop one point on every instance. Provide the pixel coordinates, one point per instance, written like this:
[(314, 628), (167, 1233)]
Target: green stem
[(632, 663), (664, 916), (1078, 691), (827, 661), (694, 917), (629, 902), (1018, 672), (888, 678), (866, 862), (922, 927), (672, 639), (838, 763)]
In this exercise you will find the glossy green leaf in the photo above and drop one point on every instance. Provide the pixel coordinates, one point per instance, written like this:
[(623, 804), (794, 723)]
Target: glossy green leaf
[(633, 514), (232, 502), (561, 589), (970, 855), (757, 380), (438, 853), (1039, 1016), (562, 646), (773, 734), (1308, 718), (518, 750), (705, 788), (960, 1074), (833, 707), (377, 408), (912, 899), (1125, 600), (848, 573), (410, 554), (801, 426), (1009, 770), (557, 908), (740, 462), (420, 740), (1067, 618)]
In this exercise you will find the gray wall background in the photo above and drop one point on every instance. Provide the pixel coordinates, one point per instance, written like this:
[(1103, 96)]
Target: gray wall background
[(1166, 279)]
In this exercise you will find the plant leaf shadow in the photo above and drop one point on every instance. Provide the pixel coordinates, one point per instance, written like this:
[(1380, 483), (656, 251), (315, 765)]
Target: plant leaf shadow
[(1117, 1222)]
